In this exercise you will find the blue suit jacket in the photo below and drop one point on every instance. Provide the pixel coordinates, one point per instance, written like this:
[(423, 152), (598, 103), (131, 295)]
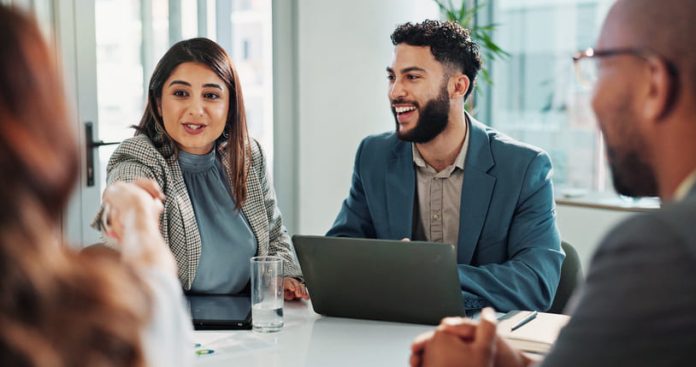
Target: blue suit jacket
[(509, 252)]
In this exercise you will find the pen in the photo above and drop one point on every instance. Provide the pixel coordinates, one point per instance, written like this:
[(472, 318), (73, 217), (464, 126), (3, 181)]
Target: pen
[(525, 320)]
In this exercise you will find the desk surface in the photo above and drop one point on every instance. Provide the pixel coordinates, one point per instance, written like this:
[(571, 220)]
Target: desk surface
[(309, 339)]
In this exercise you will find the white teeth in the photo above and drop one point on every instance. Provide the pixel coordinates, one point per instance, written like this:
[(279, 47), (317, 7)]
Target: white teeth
[(404, 109), (193, 127)]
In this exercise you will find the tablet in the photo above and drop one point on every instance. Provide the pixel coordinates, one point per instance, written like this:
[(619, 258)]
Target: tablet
[(220, 312)]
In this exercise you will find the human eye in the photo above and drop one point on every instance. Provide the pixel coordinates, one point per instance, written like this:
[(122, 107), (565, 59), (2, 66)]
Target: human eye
[(211, 95), (391, 77), (180, 93), (412, 76)]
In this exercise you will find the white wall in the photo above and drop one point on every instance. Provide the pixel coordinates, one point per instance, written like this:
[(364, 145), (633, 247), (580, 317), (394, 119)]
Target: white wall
[(584, 228), (343, 50)]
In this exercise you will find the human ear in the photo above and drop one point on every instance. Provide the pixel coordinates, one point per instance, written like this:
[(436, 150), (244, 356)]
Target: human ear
[(460, 83), (662, 89)]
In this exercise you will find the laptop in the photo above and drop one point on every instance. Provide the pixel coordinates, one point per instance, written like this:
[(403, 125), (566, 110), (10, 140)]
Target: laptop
[(220, 312), (387, 280)]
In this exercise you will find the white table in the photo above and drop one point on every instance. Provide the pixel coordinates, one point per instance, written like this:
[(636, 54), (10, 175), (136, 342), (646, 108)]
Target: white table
[(309, 339)]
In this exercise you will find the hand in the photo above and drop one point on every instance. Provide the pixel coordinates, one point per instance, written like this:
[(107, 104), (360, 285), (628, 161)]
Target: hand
[(294, 289), (458, 342), (134, 205), (131, 212)]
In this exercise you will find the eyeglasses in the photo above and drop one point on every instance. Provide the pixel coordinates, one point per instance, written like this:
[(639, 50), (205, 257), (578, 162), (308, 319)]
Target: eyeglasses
[(587, 62)]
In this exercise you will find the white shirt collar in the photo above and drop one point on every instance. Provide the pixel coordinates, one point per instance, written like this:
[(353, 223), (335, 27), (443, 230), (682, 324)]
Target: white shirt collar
[(685, 186)]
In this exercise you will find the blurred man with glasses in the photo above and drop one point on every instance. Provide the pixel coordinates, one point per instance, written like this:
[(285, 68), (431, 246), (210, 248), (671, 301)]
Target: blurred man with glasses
[(638, 306)]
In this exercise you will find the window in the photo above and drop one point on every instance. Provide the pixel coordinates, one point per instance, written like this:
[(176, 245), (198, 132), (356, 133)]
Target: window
[(535, 97)]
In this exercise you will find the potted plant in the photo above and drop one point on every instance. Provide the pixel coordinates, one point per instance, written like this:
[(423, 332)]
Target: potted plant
[(465, 15)]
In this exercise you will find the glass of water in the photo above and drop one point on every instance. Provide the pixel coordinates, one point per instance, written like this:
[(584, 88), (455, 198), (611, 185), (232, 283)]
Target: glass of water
[(266, 293)]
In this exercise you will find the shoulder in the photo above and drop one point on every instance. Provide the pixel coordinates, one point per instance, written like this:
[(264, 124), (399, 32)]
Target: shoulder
[(377, 145), (136, 157), (257, 154), (140, 148), (667, 232), (674, 220)]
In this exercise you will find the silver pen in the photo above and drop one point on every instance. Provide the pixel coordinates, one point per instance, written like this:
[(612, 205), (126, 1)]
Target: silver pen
[(532, 315)]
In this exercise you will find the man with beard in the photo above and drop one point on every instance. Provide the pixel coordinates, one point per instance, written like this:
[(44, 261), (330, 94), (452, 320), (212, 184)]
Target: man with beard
[(637, 305), (445, 177)]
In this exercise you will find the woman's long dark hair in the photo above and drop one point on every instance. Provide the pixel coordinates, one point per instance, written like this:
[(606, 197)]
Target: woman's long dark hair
[(234, 138), (57, 307)]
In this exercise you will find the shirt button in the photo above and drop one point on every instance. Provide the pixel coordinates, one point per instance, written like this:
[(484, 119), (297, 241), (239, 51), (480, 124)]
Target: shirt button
[(436, 217)]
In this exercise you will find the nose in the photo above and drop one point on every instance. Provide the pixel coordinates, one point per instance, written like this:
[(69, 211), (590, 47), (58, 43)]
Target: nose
[(396, 90), (196, 107)]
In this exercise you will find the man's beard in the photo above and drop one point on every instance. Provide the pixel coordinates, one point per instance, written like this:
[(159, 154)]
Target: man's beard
[(432, 119), (632, 176)]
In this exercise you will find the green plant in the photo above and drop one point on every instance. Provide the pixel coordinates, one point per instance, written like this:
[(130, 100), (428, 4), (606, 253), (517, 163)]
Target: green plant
[(465, 16)]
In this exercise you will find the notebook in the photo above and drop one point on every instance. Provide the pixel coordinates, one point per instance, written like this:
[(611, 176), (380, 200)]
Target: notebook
[(537, 336), (387, 280), (220, 312)]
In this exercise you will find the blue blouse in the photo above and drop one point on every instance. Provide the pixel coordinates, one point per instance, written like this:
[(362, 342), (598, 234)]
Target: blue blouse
[(227, 240)]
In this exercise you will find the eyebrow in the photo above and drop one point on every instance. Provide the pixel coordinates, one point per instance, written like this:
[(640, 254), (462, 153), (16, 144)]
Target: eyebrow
[(407, 70), (207, 85)]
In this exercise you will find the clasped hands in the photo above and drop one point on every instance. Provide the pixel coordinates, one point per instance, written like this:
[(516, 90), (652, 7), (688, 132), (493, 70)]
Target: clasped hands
[(464, 342)]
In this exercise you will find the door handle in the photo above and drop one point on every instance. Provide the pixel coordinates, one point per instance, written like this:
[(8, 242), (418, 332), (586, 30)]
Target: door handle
[(91, 146)]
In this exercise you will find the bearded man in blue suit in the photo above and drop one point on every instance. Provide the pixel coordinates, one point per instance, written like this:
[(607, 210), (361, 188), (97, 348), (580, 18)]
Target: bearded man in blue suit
[(442, 176)]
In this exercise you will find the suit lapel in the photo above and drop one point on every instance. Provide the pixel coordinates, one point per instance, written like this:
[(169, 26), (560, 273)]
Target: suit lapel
[(400, 189), (253, 208), (477, 190), (190, 244)]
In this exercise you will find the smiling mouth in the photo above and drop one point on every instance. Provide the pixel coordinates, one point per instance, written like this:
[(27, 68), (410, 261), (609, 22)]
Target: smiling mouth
[(403, 109), (193, 126)]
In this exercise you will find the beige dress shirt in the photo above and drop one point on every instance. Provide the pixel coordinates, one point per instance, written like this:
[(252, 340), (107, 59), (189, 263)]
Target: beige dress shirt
[(439, 198)]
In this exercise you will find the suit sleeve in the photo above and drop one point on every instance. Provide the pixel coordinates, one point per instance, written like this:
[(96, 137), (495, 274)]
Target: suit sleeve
[(529, 278), (279, 240), (354, 219), (637, 305), (126, 168)]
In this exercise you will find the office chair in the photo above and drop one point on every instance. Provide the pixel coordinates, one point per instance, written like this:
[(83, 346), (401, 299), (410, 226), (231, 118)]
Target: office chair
[(571, 276)]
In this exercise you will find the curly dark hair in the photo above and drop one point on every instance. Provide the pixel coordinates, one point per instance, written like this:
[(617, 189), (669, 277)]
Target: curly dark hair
[(449, 42)]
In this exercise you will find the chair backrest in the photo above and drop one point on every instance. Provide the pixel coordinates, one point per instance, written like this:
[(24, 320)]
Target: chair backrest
[(571, 276)]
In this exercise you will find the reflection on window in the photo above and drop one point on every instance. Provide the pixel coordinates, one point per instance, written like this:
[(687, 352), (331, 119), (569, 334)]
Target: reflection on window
[(535, 97), (132, 35)]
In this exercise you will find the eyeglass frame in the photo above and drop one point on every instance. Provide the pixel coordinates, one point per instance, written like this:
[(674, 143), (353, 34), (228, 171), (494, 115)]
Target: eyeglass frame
[(646, 54)]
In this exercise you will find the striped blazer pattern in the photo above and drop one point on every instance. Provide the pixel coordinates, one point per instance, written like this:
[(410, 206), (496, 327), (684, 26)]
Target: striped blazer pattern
[(137, 157)]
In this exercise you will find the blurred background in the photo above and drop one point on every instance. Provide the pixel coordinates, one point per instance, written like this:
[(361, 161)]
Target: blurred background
[(314, 82)]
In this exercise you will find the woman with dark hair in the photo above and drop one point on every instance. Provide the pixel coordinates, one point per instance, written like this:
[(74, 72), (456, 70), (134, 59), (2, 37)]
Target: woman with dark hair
[(220, 208), (59, 307)]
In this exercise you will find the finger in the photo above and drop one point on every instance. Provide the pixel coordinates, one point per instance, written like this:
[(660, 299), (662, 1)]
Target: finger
[(463, 328), (290, 284), (419, 342), (485, 333), (305, 292), (415, 359)]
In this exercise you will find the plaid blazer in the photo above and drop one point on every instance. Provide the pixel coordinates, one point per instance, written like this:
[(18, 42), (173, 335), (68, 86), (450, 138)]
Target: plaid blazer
[(137, 157)]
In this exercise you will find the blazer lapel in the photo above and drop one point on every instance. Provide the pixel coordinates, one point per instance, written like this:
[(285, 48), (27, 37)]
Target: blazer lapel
[(253, 208), (477, 190), (190, 244), (400, 190)]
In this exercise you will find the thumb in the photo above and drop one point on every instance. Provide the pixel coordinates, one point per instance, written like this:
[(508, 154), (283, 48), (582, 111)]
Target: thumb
[(486, 331)]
